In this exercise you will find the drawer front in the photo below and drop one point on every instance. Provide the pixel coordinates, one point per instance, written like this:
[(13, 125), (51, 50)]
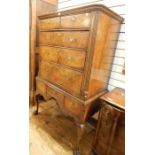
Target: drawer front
[(74, 39), (74, 107), (65, 78), (49, 53), (76, 21), (56, 95), (51, 23), (70, 80), (48, 71), (72, 58), (68, 39)]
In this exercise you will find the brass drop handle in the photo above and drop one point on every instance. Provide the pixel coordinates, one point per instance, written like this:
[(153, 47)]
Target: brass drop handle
[(67, 78), (73, 19), (69, 58), (72, 39), (58, 34), (85, 94)]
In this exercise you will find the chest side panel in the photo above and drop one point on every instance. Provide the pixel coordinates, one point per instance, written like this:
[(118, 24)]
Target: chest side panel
[(105, 43)]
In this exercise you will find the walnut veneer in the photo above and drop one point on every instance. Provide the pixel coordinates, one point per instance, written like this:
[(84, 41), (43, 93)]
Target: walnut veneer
[(76, 53)]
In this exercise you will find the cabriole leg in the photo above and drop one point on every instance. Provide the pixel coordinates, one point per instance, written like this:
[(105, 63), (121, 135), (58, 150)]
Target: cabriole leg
[(80, 132)]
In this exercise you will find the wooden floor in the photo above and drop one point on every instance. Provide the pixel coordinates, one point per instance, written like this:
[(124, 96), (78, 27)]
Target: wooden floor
[(53, 134)]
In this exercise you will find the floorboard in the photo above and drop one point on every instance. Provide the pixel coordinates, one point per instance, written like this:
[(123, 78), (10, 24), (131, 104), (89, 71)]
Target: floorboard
[(51, 133)]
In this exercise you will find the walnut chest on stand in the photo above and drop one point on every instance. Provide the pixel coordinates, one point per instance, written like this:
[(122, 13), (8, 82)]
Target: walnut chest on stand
[(76, 52)]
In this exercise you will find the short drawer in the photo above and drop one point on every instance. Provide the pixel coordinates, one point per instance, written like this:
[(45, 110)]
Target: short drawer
[(72, 58), (76, 21), (51, 23), (49, 53), (67, 39), (51, 93), (74, 107)]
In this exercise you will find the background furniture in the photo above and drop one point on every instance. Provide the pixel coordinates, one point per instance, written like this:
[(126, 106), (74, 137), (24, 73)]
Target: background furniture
[(110, 133), (37, 7), (75, 59)]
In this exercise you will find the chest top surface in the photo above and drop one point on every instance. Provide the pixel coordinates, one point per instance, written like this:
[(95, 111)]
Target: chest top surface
[(84, 9), (116, 97)]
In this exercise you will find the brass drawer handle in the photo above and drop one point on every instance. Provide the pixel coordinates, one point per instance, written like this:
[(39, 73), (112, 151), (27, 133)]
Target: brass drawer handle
[(69, 58), (73, 19), (59, 34), (72, 39), (85, 94), (87, 14), (67, 78)]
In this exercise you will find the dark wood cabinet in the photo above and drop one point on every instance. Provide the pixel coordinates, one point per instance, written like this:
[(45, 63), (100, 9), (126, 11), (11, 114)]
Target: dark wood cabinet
[(110, 133), (75, 46)]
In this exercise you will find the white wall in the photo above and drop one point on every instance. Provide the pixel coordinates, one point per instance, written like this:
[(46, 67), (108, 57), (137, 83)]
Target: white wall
[(116, 77)]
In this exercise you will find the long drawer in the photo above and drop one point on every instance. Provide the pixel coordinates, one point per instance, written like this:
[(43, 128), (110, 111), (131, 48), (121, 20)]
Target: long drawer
[(77, 39), (73, 58), (71, 21), (66, 78)]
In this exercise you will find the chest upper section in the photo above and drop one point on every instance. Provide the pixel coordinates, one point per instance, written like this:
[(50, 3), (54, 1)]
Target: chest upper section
[(69, 43)]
